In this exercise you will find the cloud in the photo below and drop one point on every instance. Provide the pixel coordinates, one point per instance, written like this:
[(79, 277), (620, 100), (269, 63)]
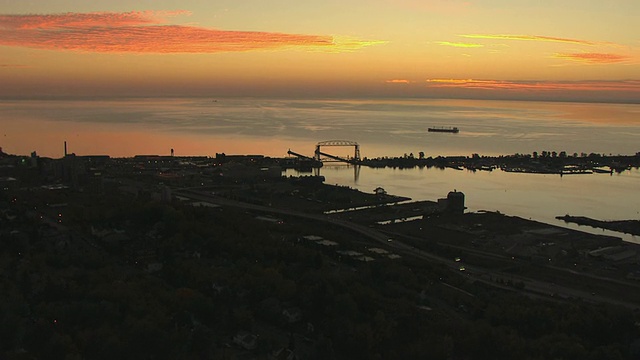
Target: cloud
[(464, 83), (526, 38), (595, 58), (622, 85), (147, 32), (459, 44), (399, 81), (83, 20)]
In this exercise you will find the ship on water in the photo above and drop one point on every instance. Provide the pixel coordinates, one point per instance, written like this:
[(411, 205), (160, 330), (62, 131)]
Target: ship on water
[(454, 130)]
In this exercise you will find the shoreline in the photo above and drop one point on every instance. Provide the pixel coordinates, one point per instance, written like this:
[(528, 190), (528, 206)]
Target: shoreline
[(624, 226)]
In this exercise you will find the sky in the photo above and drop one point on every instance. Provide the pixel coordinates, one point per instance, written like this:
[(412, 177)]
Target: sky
[(577, 50)]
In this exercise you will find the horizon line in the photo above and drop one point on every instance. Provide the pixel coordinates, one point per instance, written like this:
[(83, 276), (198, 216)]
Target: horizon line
[(568, 99)]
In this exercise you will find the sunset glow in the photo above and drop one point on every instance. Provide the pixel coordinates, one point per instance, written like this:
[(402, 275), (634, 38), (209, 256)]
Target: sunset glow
[(111, 48), (141, 32), (528, 38), (367, 179), (633, 86), (595, 58), (457, 44), (398, 81)]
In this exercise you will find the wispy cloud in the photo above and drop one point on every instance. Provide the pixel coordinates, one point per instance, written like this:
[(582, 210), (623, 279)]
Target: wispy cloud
[(595, 58), (399, 81), (147, 32), (464, 83), (602, 56), (459, 44), (83, 20), (622, 85), (527, 38)]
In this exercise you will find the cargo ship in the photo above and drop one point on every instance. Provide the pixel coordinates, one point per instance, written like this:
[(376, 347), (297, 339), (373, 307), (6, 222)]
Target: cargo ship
[(454, 130)]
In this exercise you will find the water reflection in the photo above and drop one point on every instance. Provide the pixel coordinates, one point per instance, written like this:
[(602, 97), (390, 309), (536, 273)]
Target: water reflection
[(539, 197), (270, 127)]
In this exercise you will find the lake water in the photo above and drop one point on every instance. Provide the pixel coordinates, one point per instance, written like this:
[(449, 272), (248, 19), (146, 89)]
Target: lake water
[(539, 197), (270, 127), (197, 126)]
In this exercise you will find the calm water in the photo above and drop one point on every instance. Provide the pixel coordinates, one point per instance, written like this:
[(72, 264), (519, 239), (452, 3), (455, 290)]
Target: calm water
[(539, 197), (271, 127), (123, 128)]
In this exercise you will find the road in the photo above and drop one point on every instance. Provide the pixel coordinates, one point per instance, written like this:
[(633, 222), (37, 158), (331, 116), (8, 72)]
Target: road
[(531, 286)]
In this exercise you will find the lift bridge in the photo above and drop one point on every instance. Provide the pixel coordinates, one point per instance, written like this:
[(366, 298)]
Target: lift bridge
[(321, 156)]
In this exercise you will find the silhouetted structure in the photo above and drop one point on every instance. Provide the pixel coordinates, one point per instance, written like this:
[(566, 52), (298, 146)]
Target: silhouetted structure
[(453, 204), (356, 154), (456, 202)]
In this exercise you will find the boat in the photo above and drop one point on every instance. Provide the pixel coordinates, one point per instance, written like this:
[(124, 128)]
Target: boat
[(454, 130)]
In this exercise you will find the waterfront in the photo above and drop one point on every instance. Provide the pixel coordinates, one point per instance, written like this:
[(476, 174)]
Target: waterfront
[(199, 126), (539, 197)]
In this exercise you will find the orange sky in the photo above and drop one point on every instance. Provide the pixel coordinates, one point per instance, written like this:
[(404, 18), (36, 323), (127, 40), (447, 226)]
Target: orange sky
[(572, 50)]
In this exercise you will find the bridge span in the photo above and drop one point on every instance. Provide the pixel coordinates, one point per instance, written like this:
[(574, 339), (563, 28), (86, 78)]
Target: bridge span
[(336, 158), (299, 155), (321, 156), (356, 153)]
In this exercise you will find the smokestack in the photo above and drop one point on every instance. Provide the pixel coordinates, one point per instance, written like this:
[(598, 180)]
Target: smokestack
[(65, 148)]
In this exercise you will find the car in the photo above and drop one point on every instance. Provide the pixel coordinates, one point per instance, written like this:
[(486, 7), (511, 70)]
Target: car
[(389, 240)]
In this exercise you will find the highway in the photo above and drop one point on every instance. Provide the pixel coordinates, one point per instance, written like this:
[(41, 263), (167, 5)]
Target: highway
[(534, 287)]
